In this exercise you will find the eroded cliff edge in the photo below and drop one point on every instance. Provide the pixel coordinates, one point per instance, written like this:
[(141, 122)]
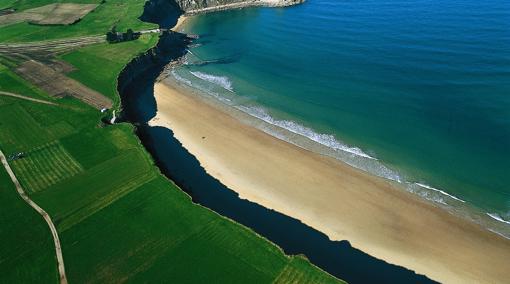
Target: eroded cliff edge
[(203, 6)]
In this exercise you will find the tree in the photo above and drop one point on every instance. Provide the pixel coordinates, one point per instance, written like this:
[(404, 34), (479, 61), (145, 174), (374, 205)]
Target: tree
[(129, 35), (111, 36)]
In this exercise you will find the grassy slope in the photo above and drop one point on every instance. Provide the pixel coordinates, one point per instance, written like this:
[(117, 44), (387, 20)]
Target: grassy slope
[(118, 217)]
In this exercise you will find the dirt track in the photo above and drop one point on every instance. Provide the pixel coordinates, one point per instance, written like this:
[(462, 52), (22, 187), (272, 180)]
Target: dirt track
[(26, 98)]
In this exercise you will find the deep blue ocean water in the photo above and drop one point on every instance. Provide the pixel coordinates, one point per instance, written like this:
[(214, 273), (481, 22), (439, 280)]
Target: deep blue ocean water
[(415, 91)]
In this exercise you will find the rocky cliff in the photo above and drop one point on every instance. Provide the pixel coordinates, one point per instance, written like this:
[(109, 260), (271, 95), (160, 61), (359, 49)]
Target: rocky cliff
[(202, 6)]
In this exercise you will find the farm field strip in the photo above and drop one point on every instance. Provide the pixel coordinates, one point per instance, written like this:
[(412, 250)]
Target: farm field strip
[(299, 271), (95, 188), (21, 192), (19, 131), (46, 166), (59, 85), (51, 14), (27, 250), (123, 14), (56, 46), (56, 42)]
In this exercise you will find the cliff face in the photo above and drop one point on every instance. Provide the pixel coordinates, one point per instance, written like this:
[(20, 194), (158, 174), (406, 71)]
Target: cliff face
[(200, 6)]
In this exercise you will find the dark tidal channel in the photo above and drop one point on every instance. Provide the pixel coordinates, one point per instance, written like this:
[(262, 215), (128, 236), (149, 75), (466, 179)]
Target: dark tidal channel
[(338, 258)]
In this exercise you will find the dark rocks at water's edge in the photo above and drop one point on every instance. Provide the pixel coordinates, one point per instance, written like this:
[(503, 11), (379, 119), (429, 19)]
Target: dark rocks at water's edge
[(162, 12), (135, 85)]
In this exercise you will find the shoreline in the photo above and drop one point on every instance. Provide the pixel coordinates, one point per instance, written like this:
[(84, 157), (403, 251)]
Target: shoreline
[(337, 258), (180, 22), (418, 226)]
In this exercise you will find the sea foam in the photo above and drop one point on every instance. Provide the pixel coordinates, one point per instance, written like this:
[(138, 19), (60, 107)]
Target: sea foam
[(497, 217), (221, 81), (440, 191), (327, 140), (188, 82), (181, 79)]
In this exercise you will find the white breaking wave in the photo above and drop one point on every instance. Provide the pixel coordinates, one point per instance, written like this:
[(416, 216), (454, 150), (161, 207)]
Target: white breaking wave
[(190, 84), (181, 79), (221, 81), (429, 195), (498, 233), (497, 217), (440, 191), (324, 139), (186, 57)]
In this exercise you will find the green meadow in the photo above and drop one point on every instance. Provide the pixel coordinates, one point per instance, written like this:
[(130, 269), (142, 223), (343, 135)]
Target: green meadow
[(119, 219), (27, 254), (100, 65), (120, 13)]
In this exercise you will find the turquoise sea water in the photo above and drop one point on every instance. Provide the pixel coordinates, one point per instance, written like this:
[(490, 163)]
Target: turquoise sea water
[(415, 91)]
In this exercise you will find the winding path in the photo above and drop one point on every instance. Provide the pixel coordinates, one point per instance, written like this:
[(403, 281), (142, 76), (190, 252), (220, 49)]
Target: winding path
[(21, 192)]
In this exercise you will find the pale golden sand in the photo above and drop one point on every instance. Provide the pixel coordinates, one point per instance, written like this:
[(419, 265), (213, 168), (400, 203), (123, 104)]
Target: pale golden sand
[(341, 201), (180, 22)]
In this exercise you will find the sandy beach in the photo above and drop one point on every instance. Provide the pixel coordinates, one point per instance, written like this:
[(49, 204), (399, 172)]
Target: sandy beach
[(332, 197), (180, 22)]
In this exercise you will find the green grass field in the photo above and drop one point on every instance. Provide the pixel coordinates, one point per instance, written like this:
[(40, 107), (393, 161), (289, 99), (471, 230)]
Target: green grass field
[(27, 254), (118, 218), (4, 4), (100, 64), (19, 131), (120, 13), (45, 166)]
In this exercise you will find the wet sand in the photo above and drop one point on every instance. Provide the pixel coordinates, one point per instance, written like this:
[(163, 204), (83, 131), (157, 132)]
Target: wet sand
[(342, 202)]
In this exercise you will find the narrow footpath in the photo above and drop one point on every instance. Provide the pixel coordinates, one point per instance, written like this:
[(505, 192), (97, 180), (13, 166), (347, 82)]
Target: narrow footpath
[(21, 192), (26, 98)]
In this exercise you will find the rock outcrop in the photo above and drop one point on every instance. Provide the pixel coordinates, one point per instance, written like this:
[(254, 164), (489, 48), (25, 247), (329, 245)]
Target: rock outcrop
[(203, 6)]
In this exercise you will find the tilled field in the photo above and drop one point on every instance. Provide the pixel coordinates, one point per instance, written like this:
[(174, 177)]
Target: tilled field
[(52, 14), (58, 85), (47, 48)]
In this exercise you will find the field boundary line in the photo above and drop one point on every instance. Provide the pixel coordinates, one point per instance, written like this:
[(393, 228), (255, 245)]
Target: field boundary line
[(27, 98), (21, 192)]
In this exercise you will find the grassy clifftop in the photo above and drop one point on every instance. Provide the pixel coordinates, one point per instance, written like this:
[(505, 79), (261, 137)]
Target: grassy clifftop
[(118, 218)]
